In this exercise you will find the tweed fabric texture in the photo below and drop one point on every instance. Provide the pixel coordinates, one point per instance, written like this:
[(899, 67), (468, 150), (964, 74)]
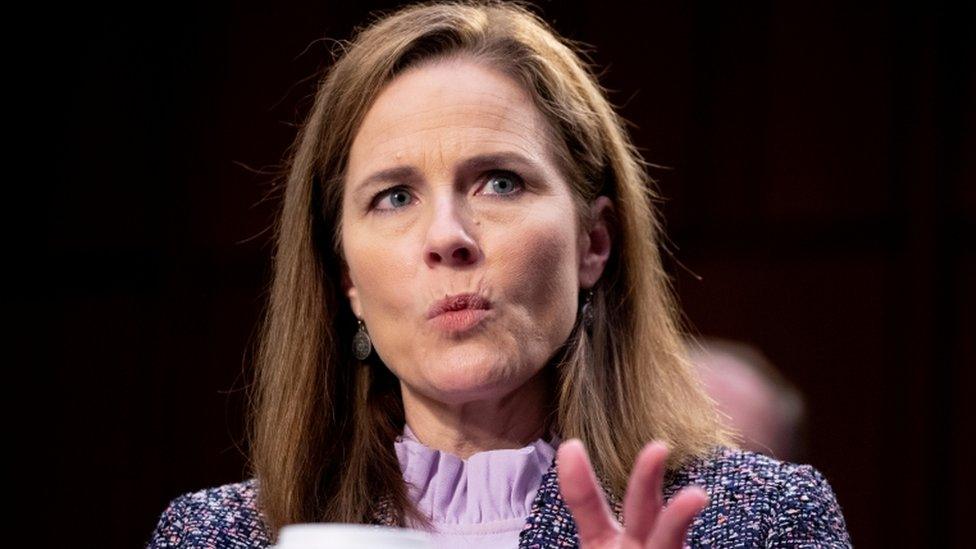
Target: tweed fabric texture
[(754, 501)]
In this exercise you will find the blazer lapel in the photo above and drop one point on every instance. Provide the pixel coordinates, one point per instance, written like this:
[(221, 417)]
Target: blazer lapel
[(384, 515), (550, 522)]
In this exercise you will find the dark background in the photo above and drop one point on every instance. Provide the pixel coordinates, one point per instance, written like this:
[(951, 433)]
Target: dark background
[(821, 184)]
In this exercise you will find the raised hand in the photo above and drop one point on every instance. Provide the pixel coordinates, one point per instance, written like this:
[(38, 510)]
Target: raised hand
[(647, 525)]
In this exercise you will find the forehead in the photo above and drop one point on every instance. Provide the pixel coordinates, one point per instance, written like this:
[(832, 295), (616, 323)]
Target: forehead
[(455, 107)]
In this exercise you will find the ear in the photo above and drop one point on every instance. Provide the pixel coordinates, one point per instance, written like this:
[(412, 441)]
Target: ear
[(351, 292), (595, 243)]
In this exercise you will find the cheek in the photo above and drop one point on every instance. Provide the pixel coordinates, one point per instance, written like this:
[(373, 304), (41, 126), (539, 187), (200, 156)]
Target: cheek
[(380, 273), (540, 270)]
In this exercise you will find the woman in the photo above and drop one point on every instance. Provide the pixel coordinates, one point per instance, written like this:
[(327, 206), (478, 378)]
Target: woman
[(466, 275)]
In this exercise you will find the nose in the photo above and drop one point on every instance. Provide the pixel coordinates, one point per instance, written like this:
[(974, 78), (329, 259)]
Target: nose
[(449, 241)]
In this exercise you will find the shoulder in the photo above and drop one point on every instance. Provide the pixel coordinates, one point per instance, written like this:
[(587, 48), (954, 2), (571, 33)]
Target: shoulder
[(761, 500), (223, 516)]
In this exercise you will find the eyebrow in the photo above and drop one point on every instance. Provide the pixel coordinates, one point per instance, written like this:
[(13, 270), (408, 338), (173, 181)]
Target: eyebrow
[(475, 163)]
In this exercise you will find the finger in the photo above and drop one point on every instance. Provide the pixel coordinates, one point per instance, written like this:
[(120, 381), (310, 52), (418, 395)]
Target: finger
[(582, 493), (644, 497), (672, 526)]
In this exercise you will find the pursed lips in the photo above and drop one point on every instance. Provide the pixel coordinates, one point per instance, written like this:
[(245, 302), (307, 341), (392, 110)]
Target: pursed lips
[(458, 302), (458, 314)]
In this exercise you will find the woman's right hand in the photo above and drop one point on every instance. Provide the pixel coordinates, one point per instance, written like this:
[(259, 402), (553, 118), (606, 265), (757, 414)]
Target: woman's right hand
[(648, 523)]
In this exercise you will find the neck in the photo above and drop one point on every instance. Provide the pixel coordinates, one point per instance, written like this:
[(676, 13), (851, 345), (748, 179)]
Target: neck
[(513, 420)]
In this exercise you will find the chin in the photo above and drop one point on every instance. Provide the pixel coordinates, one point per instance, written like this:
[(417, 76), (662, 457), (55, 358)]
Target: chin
[(470, 377)]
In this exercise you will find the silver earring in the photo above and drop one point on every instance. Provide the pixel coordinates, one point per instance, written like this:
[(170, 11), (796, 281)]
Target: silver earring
[(362, 346), (587, 311)]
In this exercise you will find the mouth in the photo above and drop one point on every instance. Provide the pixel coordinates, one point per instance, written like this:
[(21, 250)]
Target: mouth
[(459, 312), (458, 302)]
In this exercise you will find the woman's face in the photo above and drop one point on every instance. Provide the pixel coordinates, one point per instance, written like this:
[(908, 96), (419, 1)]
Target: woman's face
[(452, 200)]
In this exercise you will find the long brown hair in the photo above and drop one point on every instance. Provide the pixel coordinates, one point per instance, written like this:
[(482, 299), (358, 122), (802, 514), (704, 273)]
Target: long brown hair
[(323, 424)]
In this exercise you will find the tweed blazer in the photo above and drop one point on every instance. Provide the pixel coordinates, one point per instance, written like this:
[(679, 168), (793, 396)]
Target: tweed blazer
[(754, 501)]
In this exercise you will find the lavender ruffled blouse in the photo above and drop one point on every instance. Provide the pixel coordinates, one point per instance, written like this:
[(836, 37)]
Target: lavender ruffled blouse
[(479, 502)]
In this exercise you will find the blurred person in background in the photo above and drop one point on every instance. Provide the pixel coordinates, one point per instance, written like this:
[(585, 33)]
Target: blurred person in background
[(757, 402)]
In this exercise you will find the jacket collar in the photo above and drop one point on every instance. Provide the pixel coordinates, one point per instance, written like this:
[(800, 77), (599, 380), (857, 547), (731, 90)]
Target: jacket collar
[(549, 524)]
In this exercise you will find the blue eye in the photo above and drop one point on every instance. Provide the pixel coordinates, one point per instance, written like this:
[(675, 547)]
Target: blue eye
[(503, 183), (396, 197)]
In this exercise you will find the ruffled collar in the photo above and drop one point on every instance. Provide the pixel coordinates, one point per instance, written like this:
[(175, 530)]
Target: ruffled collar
[(489, 486)]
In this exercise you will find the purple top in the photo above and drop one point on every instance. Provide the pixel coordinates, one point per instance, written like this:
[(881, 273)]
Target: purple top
[(482, 501)]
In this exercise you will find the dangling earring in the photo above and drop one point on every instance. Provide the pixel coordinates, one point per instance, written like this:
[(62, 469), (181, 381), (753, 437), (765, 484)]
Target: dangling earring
[(362, 346), (587, 310)]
